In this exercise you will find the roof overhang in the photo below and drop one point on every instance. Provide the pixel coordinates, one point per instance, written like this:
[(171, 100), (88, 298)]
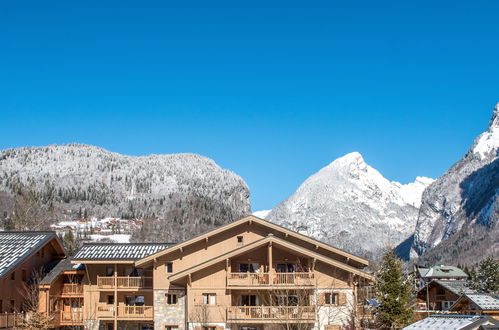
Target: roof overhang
[(264, 241), (252, 219)]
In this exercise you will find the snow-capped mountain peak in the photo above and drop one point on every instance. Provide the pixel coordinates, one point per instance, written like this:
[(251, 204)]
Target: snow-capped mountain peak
[(347, 201), (488, 142)]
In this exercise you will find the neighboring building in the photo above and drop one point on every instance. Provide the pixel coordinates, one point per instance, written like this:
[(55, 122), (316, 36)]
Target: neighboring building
[(477, 304), (455, 322), (61, 294), (425, 275), (24, 255), (117, 294), (250, 274), (439, 295)]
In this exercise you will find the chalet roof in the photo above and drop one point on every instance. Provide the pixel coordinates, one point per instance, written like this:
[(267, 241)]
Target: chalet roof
[(451, 322), (16, 246), (484, 301), (457, 287), (117, 251), (262, 241), (442, 271), (62, 265), (265, 223)]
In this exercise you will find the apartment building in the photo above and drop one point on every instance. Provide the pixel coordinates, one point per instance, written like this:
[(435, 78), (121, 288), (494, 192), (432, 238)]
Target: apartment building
[(250, 274), (24, 255)]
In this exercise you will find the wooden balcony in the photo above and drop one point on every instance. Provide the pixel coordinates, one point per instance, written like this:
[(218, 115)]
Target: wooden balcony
[(11, 320), (124, 312), (67, 318), (124, 282), (271, 314), (270, 279), (71, 289)]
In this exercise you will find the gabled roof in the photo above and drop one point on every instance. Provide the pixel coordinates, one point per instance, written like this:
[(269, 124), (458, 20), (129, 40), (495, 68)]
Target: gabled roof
[(62, 266), (263, 241), (451, 322), (442, 271), (17, 246), (458, 287), (264, 223), (125, 252), (484, 301)]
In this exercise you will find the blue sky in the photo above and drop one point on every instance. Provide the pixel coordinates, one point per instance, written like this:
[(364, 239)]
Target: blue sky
[(273, 90)]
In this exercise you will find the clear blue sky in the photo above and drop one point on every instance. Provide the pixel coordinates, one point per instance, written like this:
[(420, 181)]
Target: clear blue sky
[(273, 90)]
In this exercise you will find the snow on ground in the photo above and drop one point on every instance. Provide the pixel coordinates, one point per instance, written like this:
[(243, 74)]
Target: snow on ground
[(115, 238)]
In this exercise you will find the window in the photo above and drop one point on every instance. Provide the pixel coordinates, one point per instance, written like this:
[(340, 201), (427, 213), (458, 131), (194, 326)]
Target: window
[(250, 300), (209, 328), (13, 275), (1, 306), (331, 298), (446, 305), (12, 306), (110, 300), (209, 298), (109, 271), (171, 327), (169, 267), (171, 298), (239, 240), (249, 268), (110, 326), (24, 275), (43, 252)]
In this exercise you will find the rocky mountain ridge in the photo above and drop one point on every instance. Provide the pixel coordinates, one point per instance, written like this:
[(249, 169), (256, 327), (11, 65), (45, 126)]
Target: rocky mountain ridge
[(351, 205), (459, 212), (82, 181)]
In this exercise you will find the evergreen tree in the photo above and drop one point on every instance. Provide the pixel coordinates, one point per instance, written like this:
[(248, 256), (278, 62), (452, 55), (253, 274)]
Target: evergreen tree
[(394, 293), (486, 277), (69, 242)]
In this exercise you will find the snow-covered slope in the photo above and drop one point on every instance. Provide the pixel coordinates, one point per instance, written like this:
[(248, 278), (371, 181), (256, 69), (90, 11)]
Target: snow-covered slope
[(82, 181), (351, 205), (466, 195)]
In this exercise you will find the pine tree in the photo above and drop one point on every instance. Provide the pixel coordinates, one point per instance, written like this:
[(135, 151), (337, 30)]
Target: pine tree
[(486, 277), (69, 242), (394, 293)]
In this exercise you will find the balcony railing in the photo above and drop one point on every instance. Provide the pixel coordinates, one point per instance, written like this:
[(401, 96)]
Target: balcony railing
[(124, 282), (71, 289), (275, 279), (124, 312), (271, 313), (70, 317)]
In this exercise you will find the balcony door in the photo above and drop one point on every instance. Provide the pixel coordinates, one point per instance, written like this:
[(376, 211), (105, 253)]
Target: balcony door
[(250, 300), (249, 268)]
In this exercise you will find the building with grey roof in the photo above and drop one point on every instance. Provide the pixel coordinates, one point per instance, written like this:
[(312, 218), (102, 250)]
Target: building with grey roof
[(452, 322), (118, 251)]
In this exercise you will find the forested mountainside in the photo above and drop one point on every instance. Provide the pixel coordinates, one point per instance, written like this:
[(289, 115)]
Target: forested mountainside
[(459, 211), (187, 192), (352, 206)]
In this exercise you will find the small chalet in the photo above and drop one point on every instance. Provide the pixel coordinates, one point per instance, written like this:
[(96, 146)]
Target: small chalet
[(439, 295), (425, 275), (477, 304)]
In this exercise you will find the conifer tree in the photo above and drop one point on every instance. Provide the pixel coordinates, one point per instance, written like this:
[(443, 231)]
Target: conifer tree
[(394, 293), (486, 277), (70, 243)]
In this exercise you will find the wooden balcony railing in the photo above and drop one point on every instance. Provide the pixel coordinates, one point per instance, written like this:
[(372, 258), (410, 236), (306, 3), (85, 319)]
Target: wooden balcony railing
[(271, 313), (73, 317), (124, 311), (265, 279), (124, 282), (71, 289), (11, 320)]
